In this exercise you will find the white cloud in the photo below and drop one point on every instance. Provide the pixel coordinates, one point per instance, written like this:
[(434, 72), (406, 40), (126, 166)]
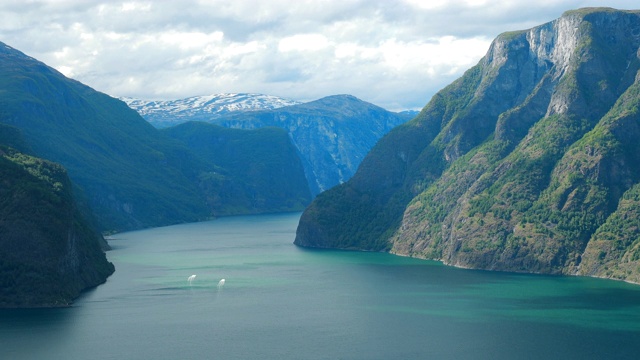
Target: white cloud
[(136, 6), (185, 40), (303, 42), (428, 5), (446, 53), (394, 53)]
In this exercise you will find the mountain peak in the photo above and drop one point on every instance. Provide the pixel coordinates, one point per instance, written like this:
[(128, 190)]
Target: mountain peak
[(339, 103), (593, 10)]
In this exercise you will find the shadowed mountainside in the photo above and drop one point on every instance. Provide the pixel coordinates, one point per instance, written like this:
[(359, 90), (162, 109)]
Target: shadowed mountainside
[(251, 171), (130, 174)]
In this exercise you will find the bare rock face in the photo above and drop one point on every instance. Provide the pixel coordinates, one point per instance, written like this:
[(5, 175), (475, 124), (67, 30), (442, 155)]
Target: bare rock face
[(528, 162)]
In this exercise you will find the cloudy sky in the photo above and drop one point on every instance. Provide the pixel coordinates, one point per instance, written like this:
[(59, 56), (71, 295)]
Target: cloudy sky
[(393, 53)]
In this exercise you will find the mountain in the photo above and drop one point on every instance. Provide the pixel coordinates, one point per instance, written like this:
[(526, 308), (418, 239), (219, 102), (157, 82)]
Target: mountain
[(49, 252), (165, 113), (129, 174), (528, 162), (250, 171), (332, 134)]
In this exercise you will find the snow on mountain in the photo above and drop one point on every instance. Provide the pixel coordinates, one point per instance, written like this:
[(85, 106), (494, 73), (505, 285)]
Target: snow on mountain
[(165, 113)]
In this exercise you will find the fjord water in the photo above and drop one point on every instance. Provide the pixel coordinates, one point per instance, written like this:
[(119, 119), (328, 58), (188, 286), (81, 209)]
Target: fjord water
[(280, 301)]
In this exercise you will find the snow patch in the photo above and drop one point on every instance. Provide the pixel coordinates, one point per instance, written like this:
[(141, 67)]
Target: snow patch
[(163, 113)]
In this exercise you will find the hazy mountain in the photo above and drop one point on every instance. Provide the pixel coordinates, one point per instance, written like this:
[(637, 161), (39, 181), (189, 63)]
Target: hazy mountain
[(528, 162), (409, 113), (165, 113), (332, 134), (49, 252)]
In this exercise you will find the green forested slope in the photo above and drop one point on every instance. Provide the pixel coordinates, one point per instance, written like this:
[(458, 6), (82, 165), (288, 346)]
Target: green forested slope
[(49, 253), (247, 171), (129, 173)]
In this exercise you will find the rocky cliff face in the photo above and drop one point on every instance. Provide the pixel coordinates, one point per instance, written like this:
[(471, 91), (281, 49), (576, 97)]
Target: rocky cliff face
[(49, 252), (526, 163), (332, 134)]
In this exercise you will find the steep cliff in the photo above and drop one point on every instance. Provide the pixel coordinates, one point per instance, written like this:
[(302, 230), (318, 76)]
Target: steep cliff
[(528, 162), (49, 252)]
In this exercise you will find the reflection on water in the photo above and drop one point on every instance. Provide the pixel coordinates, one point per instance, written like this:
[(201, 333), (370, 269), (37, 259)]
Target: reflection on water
[(255, 295)]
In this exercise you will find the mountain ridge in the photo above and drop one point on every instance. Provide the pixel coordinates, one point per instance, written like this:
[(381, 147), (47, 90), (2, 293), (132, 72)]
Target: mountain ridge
[(128, 172), (248, 171)]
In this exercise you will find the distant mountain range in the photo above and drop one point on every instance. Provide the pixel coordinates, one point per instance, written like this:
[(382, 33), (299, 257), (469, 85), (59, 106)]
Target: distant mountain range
[(332, 134), (165, 113), (529, 162)]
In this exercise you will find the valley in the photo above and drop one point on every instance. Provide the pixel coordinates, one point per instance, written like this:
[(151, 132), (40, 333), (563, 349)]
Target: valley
[(527, 163)]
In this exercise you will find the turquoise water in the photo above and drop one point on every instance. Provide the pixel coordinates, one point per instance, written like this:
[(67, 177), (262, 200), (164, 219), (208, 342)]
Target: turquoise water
[(284, 302)]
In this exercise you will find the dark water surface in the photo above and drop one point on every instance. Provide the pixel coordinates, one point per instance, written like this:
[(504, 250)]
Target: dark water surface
[(283, 302)]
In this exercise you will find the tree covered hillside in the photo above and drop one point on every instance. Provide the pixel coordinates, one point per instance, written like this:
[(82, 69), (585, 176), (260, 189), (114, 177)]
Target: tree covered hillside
[(130, 174), (49, 252), (250, 171)]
